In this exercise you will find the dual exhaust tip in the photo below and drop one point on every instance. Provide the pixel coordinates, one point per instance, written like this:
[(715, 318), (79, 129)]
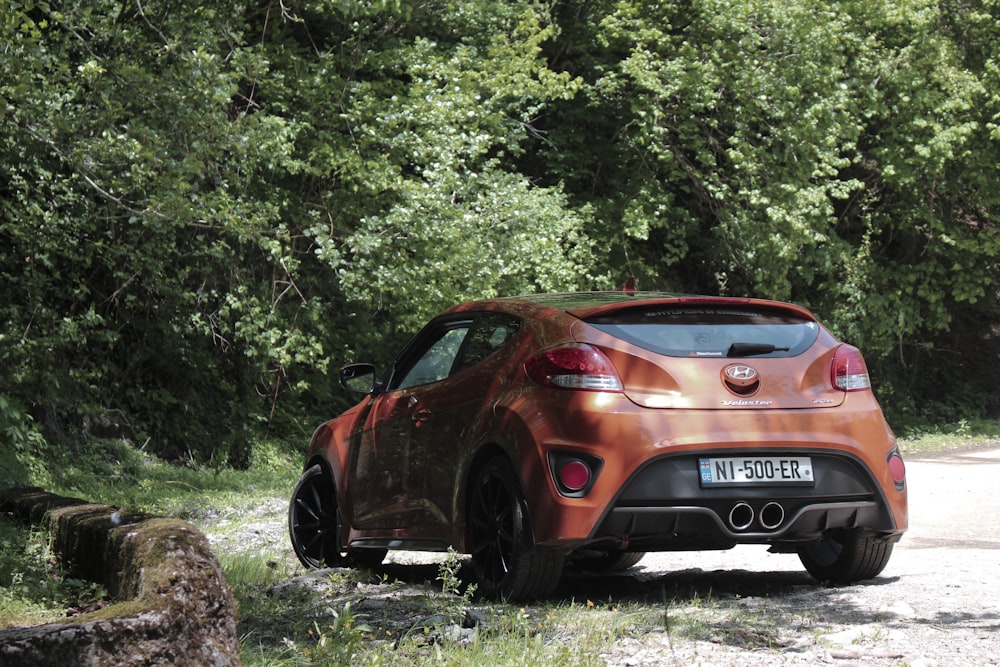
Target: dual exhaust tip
[(742, 516)]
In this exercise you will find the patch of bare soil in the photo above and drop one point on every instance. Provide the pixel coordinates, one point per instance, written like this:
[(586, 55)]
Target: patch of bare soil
[(936, 604)]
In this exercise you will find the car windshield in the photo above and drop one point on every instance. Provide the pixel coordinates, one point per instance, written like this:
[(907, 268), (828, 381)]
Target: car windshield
[(710, 331)]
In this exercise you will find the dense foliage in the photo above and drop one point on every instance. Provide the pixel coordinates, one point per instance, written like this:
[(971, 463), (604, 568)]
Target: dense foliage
[(206, 209)]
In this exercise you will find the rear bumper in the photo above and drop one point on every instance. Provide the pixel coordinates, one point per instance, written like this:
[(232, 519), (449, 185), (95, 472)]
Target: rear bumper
[(663, 505)]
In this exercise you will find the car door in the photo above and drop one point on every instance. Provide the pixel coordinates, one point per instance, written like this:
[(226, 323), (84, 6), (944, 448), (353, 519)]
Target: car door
[(387, 470)]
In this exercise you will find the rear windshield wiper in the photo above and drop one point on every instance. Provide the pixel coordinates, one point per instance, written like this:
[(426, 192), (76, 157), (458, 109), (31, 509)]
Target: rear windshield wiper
[(752, 349)]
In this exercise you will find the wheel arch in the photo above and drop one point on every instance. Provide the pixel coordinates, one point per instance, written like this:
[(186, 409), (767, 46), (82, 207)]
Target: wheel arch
[(488, 451), (323, 463), (329, 447), (507, 435)]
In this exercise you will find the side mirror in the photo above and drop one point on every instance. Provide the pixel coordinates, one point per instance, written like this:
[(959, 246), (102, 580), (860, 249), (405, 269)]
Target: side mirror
[(358, 378)]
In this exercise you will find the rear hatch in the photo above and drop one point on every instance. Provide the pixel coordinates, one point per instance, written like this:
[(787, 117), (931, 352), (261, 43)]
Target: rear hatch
[(715, 353)]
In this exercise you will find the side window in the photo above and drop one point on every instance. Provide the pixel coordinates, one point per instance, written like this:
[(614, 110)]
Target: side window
[(436, 361), (490, 333)]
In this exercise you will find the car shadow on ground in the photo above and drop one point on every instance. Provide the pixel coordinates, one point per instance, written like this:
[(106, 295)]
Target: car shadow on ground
[(739, 608), (640, 585), (643, 586)]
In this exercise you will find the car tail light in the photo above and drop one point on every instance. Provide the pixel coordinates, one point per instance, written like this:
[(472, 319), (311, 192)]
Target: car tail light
[(849, 372), (576, 366)]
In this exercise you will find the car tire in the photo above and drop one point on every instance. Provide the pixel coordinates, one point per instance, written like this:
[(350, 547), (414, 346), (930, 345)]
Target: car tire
[(611, 560), (505, 560), (314, 525), (845, 557)]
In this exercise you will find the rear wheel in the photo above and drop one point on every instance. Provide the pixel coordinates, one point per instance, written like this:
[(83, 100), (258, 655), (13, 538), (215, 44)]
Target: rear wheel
[(845, 557), (505, 560), (314, 525)]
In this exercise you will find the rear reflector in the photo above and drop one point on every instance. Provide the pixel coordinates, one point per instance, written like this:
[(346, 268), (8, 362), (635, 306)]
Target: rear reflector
[(574, 472), (575, 475), (576, 366), (897, 469), (849, 372)]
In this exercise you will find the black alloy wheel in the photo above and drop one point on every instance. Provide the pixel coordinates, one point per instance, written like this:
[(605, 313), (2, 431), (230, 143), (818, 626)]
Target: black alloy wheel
[(314, 521), (506, 562), (314, 525)]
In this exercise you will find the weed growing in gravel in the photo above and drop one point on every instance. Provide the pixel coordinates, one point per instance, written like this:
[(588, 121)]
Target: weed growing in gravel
[(451, 581), (341, 641)]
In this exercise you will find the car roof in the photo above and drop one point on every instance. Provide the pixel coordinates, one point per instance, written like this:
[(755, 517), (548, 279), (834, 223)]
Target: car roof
[(591, 304)]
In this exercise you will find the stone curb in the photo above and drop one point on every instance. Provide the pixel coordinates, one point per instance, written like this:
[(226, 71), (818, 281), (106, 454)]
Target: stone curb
[(171, 603)]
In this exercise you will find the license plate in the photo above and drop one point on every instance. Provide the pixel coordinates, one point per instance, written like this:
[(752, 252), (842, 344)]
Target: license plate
[(752, 470)]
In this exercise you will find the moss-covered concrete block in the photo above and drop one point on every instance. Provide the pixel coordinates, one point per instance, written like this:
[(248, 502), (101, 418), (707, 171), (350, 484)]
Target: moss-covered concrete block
[(172, 605)]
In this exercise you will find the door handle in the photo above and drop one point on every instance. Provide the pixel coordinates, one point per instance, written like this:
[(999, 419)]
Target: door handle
[(421, 416)]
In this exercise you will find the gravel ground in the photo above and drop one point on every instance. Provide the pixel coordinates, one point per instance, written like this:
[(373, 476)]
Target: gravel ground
[(936, 604)]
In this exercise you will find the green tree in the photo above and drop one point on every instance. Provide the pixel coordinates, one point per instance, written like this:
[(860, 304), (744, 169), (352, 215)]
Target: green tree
[(923, 289), (143, 266), (407, 120), (205, 205)]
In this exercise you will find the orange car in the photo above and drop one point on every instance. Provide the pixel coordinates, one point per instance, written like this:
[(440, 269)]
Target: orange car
[(590, 428)]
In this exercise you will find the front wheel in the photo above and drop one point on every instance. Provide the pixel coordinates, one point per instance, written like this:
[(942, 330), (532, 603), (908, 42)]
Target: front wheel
[(314, 525), (845, 557), (505, 560)]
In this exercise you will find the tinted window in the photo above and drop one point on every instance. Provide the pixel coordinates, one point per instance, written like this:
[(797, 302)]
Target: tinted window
[(435, 362), (490, 333), (711, 331)]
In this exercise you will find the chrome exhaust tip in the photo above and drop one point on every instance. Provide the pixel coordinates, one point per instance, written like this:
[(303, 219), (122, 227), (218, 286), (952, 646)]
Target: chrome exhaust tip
[(771, 515), (741, 516)]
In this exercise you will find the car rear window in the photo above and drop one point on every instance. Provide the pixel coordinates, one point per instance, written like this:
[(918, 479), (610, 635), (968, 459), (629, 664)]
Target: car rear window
[(711, 331)]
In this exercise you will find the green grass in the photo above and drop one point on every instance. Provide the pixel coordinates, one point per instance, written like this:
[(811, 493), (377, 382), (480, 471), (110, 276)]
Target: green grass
[(114, 473), (544, 634), (960, 436), (33, 588)]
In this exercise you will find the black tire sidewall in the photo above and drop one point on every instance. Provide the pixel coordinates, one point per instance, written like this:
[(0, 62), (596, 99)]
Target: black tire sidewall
[(313, 475), (862, 557)]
